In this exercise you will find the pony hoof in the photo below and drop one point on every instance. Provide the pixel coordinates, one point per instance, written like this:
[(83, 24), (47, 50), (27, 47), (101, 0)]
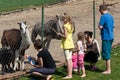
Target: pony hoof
[(2, 73), (13, 71), (24, 70)]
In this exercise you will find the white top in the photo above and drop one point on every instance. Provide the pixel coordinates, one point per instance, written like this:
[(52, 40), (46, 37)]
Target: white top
[(81, 47)]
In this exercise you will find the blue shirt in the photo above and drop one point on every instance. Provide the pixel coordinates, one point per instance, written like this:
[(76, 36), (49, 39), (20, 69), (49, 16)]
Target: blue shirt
[(107, 21)]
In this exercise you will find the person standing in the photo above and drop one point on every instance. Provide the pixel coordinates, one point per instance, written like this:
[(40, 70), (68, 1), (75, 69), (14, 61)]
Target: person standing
[(67, 42), (106, 26)]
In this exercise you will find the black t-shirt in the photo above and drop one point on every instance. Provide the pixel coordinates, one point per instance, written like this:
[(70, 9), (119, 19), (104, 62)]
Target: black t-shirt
[(48, 61)]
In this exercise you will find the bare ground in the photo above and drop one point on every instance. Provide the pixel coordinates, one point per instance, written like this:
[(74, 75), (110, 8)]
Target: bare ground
[(81, 12)]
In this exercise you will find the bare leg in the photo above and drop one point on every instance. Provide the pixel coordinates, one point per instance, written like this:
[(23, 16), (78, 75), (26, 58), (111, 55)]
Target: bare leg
[(69, 62), (108, 68), (69, 67), (83, 72)]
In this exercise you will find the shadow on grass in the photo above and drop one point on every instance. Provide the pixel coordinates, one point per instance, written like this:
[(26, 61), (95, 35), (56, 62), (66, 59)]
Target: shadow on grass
[(35, 77), (87, 67), (61, 71)]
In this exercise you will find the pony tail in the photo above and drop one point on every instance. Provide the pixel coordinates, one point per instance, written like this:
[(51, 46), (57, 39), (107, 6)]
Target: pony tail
[(3, 39), (91, 34)]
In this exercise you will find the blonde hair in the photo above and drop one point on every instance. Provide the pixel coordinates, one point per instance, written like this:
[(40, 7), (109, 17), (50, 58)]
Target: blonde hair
[(68, 19), (81, 36)]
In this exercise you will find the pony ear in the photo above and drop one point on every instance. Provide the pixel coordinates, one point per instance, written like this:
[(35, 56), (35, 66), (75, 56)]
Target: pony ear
[(19, 23), (57, 17), (25, 22)]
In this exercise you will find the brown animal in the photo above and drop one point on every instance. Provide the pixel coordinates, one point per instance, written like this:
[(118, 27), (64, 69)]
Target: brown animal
[(18, 41)]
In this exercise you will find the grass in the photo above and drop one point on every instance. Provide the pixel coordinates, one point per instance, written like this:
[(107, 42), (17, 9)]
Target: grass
[(10, 5), (92, 75)]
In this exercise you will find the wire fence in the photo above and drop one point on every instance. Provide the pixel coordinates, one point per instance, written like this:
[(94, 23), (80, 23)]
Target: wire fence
[(6, 5)]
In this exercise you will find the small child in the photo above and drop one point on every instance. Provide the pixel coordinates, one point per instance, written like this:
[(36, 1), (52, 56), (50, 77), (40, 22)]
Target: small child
[(74, 61), (80, 50)]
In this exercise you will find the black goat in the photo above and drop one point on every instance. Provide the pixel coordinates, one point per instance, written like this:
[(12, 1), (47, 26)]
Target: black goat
[(6, 57)]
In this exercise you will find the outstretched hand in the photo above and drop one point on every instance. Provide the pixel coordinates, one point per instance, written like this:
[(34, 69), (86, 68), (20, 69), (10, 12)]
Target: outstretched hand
[(59, 34)]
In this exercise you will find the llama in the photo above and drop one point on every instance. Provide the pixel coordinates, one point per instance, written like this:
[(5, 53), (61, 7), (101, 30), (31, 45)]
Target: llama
[(19, 41)]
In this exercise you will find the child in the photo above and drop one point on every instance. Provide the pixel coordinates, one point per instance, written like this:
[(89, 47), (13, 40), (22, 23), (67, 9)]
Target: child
[(74, 61), (80, 51)]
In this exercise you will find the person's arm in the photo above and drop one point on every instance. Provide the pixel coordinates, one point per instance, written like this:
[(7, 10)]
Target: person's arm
[(64, 35), (77, 48), (100, 27), (40, 62), (33, 58), (101, 23)]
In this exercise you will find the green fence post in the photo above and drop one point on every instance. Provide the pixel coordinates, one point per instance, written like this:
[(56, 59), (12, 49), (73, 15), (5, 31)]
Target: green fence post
[(94, 19), (42, 23)]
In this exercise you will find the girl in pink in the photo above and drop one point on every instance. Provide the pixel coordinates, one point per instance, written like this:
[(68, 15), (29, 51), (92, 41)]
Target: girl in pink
[(74, 61), (80, 49)]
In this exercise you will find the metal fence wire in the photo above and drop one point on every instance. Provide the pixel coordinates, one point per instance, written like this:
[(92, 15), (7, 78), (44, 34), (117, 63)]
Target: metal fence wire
[(6, 5), (6, 54)]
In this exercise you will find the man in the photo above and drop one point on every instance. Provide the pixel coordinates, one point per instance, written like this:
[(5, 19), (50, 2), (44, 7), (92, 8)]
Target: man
[(106, 25)]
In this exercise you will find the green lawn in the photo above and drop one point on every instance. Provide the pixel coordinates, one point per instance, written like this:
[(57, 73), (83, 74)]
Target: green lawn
[(92, 75), (8, 5)]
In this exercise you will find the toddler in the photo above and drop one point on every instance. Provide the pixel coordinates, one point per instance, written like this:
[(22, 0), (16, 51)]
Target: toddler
[(80, 51), (74, 61)]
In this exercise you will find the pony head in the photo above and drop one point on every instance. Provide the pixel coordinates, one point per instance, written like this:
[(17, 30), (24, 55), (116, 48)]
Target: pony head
[(23, 27), (60, 19)]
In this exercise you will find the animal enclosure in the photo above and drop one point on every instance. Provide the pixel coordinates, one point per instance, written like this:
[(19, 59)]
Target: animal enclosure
[(80, 11)]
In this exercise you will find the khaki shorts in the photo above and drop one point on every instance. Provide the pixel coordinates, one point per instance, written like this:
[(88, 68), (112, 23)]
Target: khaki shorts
[(68, 54)]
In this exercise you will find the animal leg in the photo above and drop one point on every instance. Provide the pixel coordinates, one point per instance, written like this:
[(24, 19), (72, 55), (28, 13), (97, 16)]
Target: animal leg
[(48, 43), (22, 63), (16, 60), (3, 69)]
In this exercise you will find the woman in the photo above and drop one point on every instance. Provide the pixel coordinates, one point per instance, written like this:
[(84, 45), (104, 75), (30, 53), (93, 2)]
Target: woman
[(93, 51), (44, 65), (67, 43)]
